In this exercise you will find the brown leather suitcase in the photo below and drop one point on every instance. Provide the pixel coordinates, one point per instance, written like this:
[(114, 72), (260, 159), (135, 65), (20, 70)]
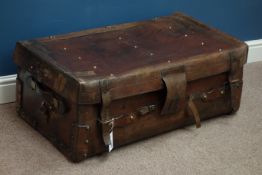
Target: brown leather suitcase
[(91, 91)]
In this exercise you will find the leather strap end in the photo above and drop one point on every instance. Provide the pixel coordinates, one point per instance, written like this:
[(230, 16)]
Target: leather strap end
[(195, 112)]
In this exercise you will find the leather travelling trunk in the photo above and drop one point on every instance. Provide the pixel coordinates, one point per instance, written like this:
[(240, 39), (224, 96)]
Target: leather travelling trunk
[(91, 91)]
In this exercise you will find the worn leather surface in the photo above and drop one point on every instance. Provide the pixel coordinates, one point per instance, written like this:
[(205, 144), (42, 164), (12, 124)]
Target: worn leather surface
[(120, 73), (142, 44)]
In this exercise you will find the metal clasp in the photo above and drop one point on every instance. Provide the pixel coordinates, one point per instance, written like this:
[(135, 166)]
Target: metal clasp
[(146, 109)]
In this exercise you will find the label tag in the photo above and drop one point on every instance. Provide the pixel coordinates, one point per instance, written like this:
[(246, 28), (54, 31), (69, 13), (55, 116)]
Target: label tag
[(111, 142), (111, 138)]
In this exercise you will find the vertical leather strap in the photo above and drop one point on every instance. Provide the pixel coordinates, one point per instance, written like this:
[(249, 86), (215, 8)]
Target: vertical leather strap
[(175, 82), (106, 100), (235, 80), (105, 120), (19, 94)]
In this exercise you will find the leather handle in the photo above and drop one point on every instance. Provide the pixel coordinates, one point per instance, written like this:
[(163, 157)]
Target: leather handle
[(175, 83), (51, 102)]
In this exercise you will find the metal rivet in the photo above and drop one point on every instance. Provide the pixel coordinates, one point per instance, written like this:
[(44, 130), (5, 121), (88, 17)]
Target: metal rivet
[(132, 116), (222, 92), (186, 35), (120, 38), (220, 50), (85, 155), (94, 67), (111, 75), (169, 61), (204, 97), (79, 58), (65, 48), (86, 141), (151, 54), (33, 85), (170, 27), (202, 43), (31, 67), (135, 46)]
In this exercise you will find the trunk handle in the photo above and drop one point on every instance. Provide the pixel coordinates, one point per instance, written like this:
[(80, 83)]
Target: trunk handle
[(51, 102)]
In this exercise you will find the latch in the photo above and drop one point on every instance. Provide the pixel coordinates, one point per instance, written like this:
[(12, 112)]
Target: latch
[(176, 100), (175, 83)]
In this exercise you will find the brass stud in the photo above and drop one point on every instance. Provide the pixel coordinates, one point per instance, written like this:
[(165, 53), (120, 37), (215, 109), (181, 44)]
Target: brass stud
[(132, 116), (186, 35), (111, 75), (169, 61), (31, 67), (120, 38), (135, 46), (220, 50), (94, 67), (204, 97), (151, 54), (80, 58), (222, 92), (65, 48), (86, 141), (170, 27), (202, 43)]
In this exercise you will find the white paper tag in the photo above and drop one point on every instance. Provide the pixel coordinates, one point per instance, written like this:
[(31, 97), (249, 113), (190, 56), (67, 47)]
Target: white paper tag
[(111, 138), (111, 142)]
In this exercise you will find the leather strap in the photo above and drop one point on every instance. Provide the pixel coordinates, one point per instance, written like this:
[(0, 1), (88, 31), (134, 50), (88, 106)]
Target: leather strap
[(106, 100), (19, 93), (192, 107), (107, 123), (175, 82), (235, 80)]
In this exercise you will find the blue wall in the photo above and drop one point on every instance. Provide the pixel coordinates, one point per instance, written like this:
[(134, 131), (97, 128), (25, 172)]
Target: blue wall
[(25, 19)]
